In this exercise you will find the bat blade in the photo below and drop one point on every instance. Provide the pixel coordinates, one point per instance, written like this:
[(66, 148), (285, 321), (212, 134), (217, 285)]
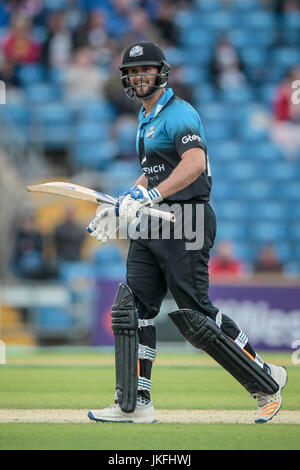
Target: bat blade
[(72, 190)]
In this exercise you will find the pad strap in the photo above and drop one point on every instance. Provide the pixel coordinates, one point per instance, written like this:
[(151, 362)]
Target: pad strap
[(144, 384), (146, 353), (142, 322)]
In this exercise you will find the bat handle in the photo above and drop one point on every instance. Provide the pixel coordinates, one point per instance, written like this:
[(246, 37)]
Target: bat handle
[(157, 213)]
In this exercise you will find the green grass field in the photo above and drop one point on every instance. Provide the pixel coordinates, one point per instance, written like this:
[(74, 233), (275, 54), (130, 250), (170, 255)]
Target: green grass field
[(63, 379)]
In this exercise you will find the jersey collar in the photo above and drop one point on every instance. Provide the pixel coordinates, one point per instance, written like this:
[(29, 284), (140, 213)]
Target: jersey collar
[(164, 99)]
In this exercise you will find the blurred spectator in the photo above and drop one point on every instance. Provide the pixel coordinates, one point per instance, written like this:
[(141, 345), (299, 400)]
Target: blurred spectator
[(141, 29), (165, 22), (8, 75), (124, 133), (267, 261), (285, 128), (176, 81), (68, 238), (92, 31), (57, 49), (115, 94), (224, 265), (28, 252), (226, 68), (83, 78), (19, 47)]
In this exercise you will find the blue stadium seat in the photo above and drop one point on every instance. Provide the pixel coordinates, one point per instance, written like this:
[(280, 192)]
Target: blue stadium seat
[(97, 111), (289, 191), (254, 56), (226, 151), (234, 231), (264, 151), (243, 171), (285, 57), (267, 210), (238, 95), (18, 113), (267, 231), (280, 171), (54, 123), (209, 5), (218, 130), (246, 5), (53, 320), (294, 231), (257, 190), (262, 18), (70, 271), (231, 210), (90, 132), (109, 263), (42, 93), (31, 73), (97, 155)]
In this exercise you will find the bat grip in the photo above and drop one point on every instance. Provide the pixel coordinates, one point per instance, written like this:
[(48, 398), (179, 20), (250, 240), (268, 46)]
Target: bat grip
[(157, 213)]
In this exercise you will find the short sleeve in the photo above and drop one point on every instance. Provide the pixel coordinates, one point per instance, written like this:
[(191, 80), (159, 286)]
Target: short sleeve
[(185, 130)]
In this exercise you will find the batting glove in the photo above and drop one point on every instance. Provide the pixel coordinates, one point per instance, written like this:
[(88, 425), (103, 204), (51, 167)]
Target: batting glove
[(137, 198), (104, 226)]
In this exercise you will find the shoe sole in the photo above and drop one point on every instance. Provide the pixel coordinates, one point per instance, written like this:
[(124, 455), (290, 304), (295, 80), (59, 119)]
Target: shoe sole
[(103, 420), (261, 421)]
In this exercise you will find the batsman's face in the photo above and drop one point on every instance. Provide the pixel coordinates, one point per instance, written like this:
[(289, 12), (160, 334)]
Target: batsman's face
[(142, 77)]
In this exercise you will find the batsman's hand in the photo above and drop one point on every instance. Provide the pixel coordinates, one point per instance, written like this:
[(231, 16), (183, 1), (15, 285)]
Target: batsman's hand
[(104, 226), (137, 198)]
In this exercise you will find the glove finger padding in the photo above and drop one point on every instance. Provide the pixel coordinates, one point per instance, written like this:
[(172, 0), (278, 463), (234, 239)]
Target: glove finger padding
[(105, 225)]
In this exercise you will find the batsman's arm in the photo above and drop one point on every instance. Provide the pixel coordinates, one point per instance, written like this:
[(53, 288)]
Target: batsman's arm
[(142, 181), (192, 164)]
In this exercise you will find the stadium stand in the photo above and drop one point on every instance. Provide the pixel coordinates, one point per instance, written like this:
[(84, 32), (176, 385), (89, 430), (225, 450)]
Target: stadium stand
[(255, 181)]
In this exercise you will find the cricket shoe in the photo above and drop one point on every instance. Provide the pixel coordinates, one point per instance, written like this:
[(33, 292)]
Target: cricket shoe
[(269, 405), (143, 413)]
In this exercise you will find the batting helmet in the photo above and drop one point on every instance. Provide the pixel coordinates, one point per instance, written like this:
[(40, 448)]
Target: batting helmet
[(144, 53)]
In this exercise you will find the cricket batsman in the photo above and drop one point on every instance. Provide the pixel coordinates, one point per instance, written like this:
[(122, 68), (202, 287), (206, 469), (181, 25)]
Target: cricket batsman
[(174, 169)]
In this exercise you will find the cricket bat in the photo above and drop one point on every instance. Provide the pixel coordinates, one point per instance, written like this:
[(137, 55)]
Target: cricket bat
[(86, 194)]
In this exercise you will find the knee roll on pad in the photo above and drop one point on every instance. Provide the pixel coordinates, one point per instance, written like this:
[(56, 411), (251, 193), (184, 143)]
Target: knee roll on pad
[(124, 323), (204, 334)]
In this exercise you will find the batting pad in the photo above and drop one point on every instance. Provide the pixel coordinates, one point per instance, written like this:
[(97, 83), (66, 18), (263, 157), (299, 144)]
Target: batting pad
[(204, 334), (125, 328)]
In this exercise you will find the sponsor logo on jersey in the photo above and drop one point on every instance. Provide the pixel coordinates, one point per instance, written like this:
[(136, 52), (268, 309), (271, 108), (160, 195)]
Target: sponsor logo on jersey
[(154, 169), (144, 159), (136, 51), (151, 133), (190, 138)]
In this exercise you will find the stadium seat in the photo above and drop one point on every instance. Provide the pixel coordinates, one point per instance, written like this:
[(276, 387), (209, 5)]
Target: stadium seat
[(53, 124), (52, 320), (285, 57), (70, 271), (267, 231), (231, 230), (90, 132), (42, 93), (96, 155), (97, 111), (31, 73)]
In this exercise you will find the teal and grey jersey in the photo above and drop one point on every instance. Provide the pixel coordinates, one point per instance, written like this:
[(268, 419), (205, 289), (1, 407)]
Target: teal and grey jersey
[(173, 127)]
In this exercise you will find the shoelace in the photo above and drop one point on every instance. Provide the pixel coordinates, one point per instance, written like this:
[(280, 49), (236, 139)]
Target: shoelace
[(263, 400)]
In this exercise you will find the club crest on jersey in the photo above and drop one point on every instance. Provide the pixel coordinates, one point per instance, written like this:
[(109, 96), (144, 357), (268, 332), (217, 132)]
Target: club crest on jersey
[(136, 51), (151, 132)]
